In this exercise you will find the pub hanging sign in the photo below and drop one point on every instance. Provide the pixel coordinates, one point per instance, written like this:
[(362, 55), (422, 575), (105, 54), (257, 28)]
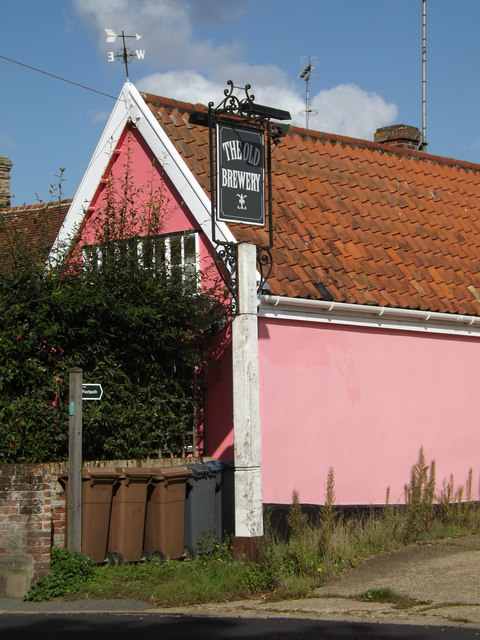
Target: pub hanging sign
[(240, 174)]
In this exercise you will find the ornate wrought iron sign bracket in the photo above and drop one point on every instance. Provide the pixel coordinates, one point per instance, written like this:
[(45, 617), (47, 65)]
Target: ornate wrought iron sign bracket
[(241, 138), (227, 266)]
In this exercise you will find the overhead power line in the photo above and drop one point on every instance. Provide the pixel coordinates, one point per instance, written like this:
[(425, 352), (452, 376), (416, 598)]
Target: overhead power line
[(52, 75)]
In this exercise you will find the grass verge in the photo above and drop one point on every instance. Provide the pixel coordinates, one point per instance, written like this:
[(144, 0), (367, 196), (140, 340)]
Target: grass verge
[(289, 568)]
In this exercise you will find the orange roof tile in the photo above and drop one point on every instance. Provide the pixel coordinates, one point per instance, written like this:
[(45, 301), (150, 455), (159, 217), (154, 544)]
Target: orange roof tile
[(35, 226), (371, 224)]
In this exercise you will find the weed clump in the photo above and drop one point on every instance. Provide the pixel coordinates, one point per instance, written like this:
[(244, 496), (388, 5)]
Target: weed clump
[(297, 520), (386, 594), (328, 515), (419, 497), (69, 571)]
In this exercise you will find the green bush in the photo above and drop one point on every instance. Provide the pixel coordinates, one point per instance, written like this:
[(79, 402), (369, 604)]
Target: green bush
[(138, 329), (69, 571)]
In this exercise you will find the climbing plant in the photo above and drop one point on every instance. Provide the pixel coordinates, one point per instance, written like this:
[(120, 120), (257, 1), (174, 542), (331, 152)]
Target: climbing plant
[(136, 324)]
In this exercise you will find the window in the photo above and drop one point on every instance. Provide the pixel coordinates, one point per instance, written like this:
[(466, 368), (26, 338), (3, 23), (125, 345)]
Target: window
[(174, 255)]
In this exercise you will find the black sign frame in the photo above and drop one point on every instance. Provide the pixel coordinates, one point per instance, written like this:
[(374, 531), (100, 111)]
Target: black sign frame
[(248, 116), (241, 187)]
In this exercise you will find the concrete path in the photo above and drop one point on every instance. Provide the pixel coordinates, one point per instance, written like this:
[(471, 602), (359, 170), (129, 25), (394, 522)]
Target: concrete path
[(442, 577)]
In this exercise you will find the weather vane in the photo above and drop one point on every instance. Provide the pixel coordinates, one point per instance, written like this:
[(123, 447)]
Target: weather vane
[(125, 54)]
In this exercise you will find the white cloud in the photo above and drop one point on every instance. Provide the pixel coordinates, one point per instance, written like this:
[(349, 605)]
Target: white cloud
[(197, 71), (192, 86), (348, 110), (181, 85), (164, 24)]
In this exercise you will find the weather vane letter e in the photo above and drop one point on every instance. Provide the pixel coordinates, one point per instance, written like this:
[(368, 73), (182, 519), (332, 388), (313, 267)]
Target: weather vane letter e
[(125, 54)]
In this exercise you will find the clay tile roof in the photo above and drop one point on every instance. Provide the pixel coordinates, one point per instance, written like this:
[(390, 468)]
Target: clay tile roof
[(359, 222), (35, 226)]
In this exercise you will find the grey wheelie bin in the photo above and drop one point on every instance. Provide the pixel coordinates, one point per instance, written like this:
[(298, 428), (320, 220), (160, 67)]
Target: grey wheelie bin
[(203, 507), (127, 520), (165, 519)]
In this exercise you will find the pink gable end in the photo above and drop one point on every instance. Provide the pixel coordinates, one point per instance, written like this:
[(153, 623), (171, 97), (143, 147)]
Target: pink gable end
[(148, 179)]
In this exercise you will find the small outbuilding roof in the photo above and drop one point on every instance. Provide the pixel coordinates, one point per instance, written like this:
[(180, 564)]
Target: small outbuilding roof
[(34, 226)]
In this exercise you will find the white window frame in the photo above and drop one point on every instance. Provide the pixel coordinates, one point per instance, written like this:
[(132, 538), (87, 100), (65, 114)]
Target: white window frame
[(187, 260)]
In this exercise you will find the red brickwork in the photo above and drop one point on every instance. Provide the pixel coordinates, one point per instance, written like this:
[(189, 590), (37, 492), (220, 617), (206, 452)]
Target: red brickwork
[(27, 496)]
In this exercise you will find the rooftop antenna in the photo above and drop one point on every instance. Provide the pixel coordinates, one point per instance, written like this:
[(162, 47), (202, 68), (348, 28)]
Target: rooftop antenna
[(125, 54), (309, 65), (423, 145)]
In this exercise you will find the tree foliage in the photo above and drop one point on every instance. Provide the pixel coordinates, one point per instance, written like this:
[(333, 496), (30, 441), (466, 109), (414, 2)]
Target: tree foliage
[(138, 329)]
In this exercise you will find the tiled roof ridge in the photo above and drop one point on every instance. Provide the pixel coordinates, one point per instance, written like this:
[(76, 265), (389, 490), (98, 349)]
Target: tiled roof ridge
[(37, 205), (383, 148), (334, 138), (171, 103)]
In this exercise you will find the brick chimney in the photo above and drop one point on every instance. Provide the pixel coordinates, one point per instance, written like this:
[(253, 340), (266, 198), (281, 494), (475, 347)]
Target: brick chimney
[(5, 166), (399, 135)]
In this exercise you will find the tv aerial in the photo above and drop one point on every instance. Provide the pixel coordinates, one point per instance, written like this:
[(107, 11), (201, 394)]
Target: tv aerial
[(124, 54), (309, 65)]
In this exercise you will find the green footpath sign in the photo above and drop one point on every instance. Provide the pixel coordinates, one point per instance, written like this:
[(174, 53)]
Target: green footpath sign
[(92, 391)]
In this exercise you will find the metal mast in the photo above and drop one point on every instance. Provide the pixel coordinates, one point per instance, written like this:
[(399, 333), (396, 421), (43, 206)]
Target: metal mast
[(424, 78), (306, 74)]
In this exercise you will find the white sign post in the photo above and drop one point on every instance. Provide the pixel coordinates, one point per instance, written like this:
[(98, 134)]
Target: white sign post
[(246, 409)]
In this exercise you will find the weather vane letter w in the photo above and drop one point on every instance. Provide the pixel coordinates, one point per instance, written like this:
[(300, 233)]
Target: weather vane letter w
[(125, 54)]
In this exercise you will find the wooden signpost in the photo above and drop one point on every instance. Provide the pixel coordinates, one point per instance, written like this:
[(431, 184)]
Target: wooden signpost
[(78, 392)]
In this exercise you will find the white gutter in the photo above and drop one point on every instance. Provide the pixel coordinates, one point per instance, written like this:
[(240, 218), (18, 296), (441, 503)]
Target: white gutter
[(367, 316)]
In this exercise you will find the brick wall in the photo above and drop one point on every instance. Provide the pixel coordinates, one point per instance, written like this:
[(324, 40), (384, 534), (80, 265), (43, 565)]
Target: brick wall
[(26, 499), (33, 510)]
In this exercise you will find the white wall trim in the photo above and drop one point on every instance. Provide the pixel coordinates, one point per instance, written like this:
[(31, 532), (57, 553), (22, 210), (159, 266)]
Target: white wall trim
[(303, 310), (92, 176)]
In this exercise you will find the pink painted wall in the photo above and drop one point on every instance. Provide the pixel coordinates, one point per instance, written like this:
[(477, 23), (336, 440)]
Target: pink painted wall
[(220, 400), (363, 401)]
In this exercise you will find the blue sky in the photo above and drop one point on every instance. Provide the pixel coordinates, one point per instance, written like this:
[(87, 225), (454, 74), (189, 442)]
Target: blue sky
[(368, 70)]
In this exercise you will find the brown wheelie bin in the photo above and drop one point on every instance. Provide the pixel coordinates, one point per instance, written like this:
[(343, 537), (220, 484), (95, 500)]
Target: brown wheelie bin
[(97, 489), (165, 520), (127, 519)]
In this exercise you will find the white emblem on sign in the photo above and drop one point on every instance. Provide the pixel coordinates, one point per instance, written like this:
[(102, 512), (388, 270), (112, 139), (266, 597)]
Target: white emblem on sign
[(241, 201)]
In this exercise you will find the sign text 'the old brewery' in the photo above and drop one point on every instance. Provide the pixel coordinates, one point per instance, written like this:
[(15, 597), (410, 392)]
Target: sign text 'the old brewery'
[(240, 174)]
